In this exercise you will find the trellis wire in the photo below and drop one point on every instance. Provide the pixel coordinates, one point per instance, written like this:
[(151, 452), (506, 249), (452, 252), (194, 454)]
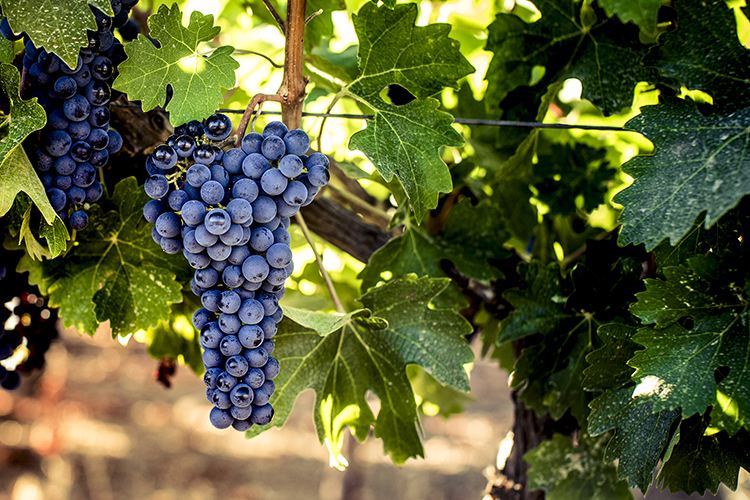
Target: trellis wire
[(463, 121)]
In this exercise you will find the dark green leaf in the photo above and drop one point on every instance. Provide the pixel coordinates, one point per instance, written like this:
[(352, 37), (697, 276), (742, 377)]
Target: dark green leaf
[(16, 173), (342, 357), (472, 235), (540, 308), (699, 165), (704, 53), (116, 272), (721, 236), (609, 369), (196, 79), (404, 140), (568, 472), (6, 51), (177, 338), (702, 458), (679, 366), (434, 398), (57, 26), (565, 172), (567, 46), (641, 12), (321, 25), (640, 435), (553, 369)]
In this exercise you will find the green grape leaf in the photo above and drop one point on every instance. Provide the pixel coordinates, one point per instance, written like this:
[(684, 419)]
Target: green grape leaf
[(404, 140), (641, 12), (540, 308), (704, 53), (565, 471), (699, 164), (16, 172), (116, 272), (177, 338), (640, 436), (567, 46), (20, 220), (434, 398), (196, 79), (471, 236), (320, 26), (553, 367), (679, 366), (721, 236), (7, 55), (342, 357), (57, 26), (608, 365), (702, 459), (565, 174)]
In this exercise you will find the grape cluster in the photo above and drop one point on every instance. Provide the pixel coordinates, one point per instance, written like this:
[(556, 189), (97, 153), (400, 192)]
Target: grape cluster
[(77, 139), (228, 213), (34, 324)]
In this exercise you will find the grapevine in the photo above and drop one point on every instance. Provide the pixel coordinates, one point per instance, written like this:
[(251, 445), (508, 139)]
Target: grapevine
[(575, 211)]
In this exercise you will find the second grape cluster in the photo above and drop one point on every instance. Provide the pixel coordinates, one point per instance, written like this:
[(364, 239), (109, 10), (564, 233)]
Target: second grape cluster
[(228, 213)]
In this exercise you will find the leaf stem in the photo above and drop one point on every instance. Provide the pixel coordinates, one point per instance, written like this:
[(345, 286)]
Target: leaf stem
[(279, 20), (325, 117), (252, 52), (329, 284)]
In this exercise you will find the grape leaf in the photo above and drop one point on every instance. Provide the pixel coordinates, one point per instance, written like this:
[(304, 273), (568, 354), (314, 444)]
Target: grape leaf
[(196, 79), (723, 235), (20, 228), (679, 365), (57, 26), (565, 471), (569, 41), (552, 367), (342, 357), (116, 272), (471, 236), (640, 436), (177, 338), (641, 12), (17, 175), (699, 164), (320, 26), (404, 140), (434, 398), (540, 308), (6, 51), (700, 460), (704, 53), (608, 365)]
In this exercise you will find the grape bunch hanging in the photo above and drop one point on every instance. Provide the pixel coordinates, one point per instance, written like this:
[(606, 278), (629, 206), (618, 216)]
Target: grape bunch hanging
[(31, 329), (77, 139), (228, 213)]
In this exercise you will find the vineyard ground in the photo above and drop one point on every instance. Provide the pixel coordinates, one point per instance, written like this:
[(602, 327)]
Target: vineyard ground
[(96, 426)]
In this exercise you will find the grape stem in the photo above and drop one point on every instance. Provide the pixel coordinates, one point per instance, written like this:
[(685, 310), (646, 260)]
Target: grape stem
[(329, 284), (257, 100)]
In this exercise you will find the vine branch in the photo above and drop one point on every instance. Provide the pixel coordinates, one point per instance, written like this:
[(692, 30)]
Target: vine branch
[(292, 89)]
